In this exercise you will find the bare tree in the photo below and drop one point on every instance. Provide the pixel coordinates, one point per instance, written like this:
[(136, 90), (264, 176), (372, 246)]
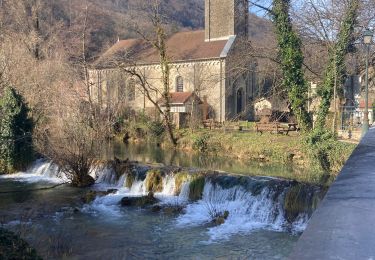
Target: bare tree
[(157, 40)]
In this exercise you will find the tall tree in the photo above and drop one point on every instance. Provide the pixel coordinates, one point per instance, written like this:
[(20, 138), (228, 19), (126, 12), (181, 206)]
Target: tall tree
[(157, 39), (16, 128), (291, 60), (336, 66)]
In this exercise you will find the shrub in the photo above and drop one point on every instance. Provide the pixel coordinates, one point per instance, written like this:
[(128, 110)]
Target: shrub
[(326, 152), (16, 129), (201, 143), (156, 130)]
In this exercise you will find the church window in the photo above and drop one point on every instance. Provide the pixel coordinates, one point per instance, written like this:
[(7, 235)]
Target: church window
[(179, 84), (121, 90), (131, 90)]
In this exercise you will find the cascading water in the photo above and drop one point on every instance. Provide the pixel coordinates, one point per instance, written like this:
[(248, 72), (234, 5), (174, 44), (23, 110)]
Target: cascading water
[(252, 203), (246, 211), (40, 170), (181, 225)]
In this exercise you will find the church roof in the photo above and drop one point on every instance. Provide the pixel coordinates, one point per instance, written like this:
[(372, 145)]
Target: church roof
[(182, 46)]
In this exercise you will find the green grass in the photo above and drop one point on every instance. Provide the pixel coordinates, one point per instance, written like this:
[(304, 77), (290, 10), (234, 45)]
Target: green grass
[(272, 148)]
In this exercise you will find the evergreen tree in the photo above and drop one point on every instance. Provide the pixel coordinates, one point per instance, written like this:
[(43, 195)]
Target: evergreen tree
[(16, 128)]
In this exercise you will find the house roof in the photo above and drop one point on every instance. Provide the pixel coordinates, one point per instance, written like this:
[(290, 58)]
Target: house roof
[(179, 98), (182, 46)]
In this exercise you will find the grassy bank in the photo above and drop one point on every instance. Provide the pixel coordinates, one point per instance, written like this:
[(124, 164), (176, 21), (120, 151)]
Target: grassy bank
[(319, 161), (267, 147)]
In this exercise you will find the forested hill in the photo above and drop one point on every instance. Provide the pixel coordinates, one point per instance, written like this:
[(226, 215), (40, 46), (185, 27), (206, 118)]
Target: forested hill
[(61, 23), (108, 18)]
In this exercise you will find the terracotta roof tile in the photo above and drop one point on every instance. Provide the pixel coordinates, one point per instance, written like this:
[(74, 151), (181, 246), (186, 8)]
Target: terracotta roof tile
[(181, 46)]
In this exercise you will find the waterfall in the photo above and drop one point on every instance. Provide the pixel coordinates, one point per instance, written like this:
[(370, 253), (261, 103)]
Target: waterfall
[(184, 194), (40, 171), (138, 188), (168, 186), (121, 182), (252, 202), (246, 211), (106, 175)]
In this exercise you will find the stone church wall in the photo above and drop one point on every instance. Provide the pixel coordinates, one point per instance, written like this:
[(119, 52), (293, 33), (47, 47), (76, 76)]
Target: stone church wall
[(206, 78)]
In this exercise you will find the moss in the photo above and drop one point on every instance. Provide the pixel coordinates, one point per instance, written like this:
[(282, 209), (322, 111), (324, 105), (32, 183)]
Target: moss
[(154, 181), (196, 187), (121, 167), (13, 247), (143, 201), (130, 178), (297, 200), (89, 197), (179, 179), (173, 210)]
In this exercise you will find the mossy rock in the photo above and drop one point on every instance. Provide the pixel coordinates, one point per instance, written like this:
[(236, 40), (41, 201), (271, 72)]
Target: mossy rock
[(83, 181), (91, 195), (179, 179), (121, 167), (154, 181), (13, 247), (298, 199), (173, 210), (144, 201), (196, 188), (130, 179), (221, 218)]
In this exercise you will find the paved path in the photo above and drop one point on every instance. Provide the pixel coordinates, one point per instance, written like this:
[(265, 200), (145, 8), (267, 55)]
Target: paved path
[(343, 227)]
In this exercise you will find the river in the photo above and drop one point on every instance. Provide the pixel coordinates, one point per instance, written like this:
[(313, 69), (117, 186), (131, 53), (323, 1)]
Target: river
[(60, 226)]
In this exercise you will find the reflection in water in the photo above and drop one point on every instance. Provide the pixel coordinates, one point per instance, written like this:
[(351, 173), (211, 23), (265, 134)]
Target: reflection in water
[(150, 153)]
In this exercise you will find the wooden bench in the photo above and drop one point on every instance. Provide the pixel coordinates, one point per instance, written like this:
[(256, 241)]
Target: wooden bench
[(275, 127)]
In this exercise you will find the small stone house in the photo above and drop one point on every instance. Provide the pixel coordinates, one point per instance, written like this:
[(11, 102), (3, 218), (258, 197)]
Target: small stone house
[(183, 106)]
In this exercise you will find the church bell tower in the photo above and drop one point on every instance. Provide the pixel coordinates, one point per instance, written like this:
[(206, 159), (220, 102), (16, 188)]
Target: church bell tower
[(225, 18)]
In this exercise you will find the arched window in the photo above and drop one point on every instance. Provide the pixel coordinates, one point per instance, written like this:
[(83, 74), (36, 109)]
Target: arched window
[(239, 101), (121, 90), (179, 84), (131, 90)]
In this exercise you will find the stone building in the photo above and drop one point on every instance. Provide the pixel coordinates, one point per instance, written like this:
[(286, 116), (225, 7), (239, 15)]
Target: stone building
[(209, 63)]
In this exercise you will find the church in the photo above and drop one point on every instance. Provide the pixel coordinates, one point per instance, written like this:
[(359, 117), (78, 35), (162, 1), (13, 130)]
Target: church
[(208, 66)]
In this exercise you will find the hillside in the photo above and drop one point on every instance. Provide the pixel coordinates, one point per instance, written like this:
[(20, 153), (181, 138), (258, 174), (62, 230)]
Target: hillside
[(109, 18)]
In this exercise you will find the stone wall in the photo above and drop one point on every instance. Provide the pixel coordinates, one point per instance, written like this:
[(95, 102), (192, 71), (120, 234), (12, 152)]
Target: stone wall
[(206, 78), (219, 19), (224, 18)]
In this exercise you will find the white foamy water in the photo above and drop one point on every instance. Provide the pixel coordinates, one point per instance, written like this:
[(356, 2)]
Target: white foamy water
[(109, 204), (40, 171), (246, 212)]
